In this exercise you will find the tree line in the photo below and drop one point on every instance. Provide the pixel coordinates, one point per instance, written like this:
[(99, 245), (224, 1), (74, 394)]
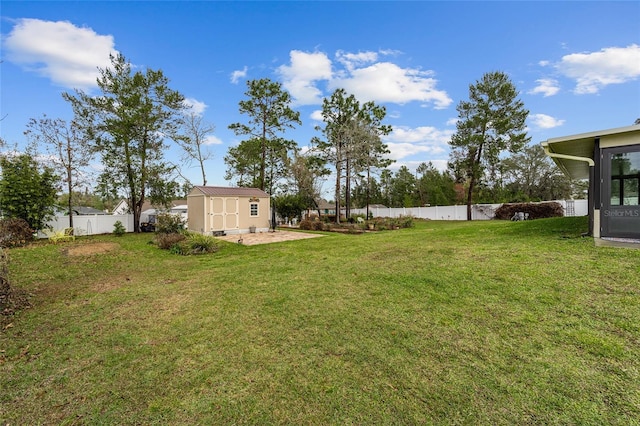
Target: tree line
[(130, 123)]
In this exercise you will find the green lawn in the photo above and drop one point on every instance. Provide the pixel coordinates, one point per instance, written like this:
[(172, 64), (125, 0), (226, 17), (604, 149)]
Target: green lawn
[(494, 322)]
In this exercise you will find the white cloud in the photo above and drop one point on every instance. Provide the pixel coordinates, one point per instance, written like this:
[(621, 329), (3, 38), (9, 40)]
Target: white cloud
[(238, 74), (359, 74), (387, 82), (546, 86), (423, 134), (301, 76), (212, 140), (68, 55), (402, 150), (316, 115), (595, 70), (351, 60), (440, 165), (544, 121), (452, 121), (404, 141), (195, 105)]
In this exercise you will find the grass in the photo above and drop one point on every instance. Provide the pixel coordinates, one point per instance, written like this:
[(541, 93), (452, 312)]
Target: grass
[(446, 323)]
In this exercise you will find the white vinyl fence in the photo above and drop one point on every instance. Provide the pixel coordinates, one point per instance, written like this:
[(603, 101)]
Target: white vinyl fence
[(103, 224), (91, 224), (478, 211)]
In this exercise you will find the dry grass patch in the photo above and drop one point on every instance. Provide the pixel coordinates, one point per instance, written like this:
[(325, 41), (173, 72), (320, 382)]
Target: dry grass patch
[(90, 249)]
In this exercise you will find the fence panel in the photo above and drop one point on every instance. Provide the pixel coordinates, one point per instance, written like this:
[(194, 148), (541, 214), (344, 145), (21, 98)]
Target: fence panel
[(459, 212), (91, 224)]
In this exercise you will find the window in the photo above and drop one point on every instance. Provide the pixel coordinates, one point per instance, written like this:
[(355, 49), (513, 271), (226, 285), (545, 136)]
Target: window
[(254, 209), (625, 179)]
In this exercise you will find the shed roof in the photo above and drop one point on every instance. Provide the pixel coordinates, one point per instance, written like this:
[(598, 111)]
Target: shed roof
[(225, 191), (580, 145)]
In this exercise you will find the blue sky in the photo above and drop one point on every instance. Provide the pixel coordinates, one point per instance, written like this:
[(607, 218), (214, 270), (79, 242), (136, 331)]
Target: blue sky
[(576, 64)]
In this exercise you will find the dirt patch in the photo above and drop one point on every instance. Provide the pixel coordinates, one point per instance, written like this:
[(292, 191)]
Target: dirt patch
[(90, 249), (267, 237)]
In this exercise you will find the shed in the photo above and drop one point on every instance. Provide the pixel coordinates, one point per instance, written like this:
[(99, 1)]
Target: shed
[(610, 159), (214, 209)]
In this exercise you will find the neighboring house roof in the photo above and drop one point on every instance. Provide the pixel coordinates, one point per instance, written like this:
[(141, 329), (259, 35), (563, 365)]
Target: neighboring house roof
[(581, 145), (120, 208), (123, 205), (326, 205), (78, 210), (86, 210), (224, 191)]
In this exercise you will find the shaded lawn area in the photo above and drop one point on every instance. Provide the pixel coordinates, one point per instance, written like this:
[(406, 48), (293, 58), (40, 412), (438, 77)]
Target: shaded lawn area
[(445, 323)]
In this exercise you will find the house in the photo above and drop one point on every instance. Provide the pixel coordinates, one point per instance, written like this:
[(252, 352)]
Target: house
[(326, 209), (149, 212), (217, 209), (610, 160)]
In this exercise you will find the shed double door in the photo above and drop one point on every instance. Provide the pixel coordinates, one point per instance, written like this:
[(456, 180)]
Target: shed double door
[(224, 214)]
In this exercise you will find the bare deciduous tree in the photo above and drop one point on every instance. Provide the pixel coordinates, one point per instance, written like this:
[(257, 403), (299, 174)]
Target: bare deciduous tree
[(69, 149)]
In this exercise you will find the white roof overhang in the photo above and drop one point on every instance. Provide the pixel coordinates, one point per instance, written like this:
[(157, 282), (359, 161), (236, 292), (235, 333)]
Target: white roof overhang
[(576, 152)]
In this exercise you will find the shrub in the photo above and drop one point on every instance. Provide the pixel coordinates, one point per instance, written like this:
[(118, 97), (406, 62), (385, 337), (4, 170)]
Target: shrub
[(384, 223), (166, 241), (405, 221), (178, 248), (15, 232), (118, 229), (535, 210), (198, 243), (168, 223), (186, 243), (312, 225)]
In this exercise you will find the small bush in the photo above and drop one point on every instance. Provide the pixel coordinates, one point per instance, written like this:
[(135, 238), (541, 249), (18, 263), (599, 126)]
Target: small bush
[(169, 224), (305, 224), (186, 243), (178, 248), (166, 241), (118, 229), (15, 232), (535, 210), (312, 225), (384, 223), (405, 221), (199, 244)]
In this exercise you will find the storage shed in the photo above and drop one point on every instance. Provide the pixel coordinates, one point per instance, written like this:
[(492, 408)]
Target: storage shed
[(610, 159), (218, 209)]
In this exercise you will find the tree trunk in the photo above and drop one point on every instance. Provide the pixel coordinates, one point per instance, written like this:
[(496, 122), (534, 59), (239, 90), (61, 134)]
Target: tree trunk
[(70, 185), (469, 198), (136, 209), (368, 193), (347, 192), (264, 153), (70, 208), (338, 170)]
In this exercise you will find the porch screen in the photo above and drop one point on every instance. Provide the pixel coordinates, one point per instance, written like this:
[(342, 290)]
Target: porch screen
[(625, 179)]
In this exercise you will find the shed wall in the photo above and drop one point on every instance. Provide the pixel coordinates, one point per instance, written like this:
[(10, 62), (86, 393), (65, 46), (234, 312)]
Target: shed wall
[(208, 214), (197, 213)]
